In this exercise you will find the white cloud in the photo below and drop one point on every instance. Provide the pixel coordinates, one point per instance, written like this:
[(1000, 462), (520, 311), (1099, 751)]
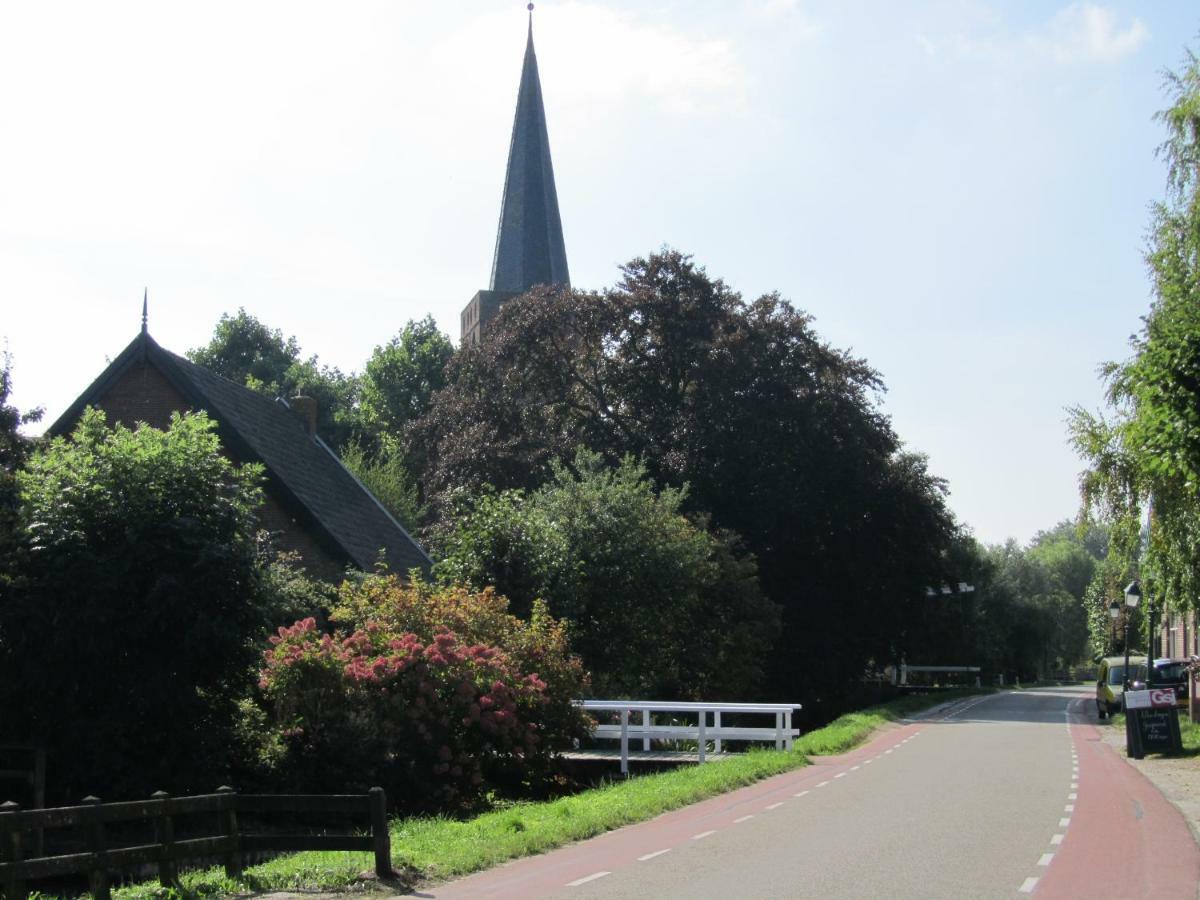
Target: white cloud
[(1079, 33), (1084, 32)]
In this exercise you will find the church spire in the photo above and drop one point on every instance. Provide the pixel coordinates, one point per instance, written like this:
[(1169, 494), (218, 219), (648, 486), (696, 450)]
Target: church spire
[(529, 241)]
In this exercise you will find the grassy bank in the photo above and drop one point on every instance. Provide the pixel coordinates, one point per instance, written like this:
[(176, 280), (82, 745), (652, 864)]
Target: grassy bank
[(438, 848)]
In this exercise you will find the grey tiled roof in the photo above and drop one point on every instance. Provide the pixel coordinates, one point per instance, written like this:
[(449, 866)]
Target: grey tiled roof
[(309, 475)]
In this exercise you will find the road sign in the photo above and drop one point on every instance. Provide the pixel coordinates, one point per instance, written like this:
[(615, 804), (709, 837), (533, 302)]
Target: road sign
[(1151, 723)]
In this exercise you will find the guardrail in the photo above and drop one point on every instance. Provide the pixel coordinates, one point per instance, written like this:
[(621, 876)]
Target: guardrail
[(100, 859), (782, 734)]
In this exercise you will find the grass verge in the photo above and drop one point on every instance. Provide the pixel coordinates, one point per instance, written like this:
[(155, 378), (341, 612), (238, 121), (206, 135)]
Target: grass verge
[(439, 848)]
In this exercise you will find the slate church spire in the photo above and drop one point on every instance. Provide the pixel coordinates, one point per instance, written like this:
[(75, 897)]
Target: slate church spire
[(529, 241)]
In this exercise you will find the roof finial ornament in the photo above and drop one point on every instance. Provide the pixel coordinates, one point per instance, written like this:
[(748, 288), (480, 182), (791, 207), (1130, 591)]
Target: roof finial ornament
[(145, 302)]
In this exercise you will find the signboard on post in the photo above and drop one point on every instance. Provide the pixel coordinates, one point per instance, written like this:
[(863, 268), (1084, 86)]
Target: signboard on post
[(1151, 723)]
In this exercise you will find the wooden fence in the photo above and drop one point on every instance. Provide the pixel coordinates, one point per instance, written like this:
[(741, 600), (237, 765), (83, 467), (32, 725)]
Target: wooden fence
[(228, 843)]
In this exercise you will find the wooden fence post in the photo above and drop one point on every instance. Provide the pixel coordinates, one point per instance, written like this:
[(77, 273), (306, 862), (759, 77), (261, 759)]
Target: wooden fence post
[(39, 797), (229, 827), (96, 843), (379, 832), (164, 835), (10, 851)]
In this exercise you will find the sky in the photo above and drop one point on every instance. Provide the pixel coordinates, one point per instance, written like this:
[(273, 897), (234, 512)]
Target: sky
[(957, 192)]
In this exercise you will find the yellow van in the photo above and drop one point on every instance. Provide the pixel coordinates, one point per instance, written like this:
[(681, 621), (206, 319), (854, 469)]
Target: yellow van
[(1110, 682)]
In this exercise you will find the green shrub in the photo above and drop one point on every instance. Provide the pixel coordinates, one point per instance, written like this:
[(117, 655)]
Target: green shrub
[(131, 634)]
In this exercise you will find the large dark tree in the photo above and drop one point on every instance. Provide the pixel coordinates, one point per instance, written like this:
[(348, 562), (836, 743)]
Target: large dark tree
[(778, 435)]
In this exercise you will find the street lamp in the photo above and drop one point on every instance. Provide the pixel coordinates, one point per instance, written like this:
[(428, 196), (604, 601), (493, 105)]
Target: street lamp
[(1133, 595)]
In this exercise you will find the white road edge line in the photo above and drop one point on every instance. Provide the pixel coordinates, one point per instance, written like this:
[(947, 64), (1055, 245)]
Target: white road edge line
[(1072, 796), (1064, 823), (1057, 839), (702, 835), (775, 805), (801, 794), (840, 775), (823, 783), (855, 768), (578, 881), (743, 819), (654, 854), (1046, 858)]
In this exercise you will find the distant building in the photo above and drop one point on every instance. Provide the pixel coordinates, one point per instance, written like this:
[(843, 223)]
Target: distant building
[(529, 240), (1179, 635), (314, 506)]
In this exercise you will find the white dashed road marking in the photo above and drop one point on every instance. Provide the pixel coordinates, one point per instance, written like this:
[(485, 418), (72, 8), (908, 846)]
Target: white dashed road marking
[(702, 835), (578, 881), (742, 819), (654, 854), (1028, 885), (1057, 839), (775, 805)]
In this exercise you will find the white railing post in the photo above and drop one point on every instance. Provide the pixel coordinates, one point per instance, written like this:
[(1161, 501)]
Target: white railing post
[(717, 727), (778, 731), (646, 727), (624, 742), (787, 724)]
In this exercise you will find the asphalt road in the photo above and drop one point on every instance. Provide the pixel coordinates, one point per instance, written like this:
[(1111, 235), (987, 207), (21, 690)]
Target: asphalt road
[(1000, 796)]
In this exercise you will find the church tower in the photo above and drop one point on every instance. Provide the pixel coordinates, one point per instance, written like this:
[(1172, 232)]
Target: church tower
[(529, 240)]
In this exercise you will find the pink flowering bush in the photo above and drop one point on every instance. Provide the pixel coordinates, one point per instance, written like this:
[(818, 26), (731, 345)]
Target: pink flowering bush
[(435, 693)]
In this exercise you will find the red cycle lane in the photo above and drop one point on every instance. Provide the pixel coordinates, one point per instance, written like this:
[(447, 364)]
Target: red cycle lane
[(538, 876), (1125, 839)]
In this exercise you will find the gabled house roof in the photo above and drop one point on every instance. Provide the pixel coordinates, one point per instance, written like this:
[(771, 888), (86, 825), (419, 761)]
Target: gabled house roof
[(302, 472)]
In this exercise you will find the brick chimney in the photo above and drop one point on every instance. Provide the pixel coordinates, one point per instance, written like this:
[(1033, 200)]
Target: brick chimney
[(306, 409)]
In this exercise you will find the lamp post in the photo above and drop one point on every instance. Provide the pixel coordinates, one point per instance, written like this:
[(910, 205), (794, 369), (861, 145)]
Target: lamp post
[(1133, 595)]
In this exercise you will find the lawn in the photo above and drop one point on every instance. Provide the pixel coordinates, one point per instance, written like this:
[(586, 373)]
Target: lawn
[(440, 848)]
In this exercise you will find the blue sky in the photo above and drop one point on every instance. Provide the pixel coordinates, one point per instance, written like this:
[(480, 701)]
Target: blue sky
[(957, 191)]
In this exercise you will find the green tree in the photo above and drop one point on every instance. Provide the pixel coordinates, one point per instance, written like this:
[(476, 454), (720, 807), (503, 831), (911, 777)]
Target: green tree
[(14, 451), (131, 636), (1146, 451), (401, 378), (248, 352), (656, 605), (778, 435), (386, 476)]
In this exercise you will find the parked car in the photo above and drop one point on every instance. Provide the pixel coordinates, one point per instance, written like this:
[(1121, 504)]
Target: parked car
[(1110, 682), (1172, 673)]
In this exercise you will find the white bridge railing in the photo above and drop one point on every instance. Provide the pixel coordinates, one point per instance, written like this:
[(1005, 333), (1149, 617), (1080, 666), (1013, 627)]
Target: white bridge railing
[(635, 721)]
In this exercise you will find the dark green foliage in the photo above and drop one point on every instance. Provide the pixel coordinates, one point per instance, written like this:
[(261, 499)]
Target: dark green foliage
[(246, 351), (132, 636), (1146, 452), (401, 378), (777, 434), (657, 606), (1027, 615), (14, 450), (386, 476)]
